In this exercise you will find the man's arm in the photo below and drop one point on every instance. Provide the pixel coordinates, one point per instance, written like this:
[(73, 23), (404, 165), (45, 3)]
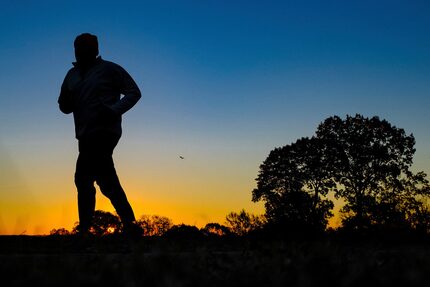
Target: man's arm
[(130, 90), (65, 99)]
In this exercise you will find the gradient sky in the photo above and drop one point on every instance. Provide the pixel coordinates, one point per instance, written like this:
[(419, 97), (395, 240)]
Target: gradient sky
[(223, 83)]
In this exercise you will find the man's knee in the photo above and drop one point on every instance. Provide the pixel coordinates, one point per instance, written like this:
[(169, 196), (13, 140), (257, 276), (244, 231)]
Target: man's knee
[(84, 182), (111, 189)]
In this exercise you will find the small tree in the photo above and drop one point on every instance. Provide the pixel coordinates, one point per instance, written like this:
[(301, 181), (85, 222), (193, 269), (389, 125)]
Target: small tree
[(243, 222), (184, 232), (216, 229), (103, 223), (60, 231), (154, 225)]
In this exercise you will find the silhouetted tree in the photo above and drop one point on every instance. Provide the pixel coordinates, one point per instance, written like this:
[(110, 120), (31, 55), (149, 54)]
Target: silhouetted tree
[(103, 223), (314, 166), (243, 222), (184, 231), (154, 225), (403, 203), (293, 182), (216, 229), (59, 231), (370, 161)]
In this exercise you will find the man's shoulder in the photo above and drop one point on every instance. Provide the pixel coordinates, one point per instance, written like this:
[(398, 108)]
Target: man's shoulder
[(110, 65), (72, 73)]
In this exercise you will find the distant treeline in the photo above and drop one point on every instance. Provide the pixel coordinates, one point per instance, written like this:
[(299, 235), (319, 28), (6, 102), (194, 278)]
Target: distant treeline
[(106, 223)]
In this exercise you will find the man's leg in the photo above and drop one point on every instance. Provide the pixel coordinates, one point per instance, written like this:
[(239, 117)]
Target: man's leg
[(108, 180), (112, 189), (84, 182)]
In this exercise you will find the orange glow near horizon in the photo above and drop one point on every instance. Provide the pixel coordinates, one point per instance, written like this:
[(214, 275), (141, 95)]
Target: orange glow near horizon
[(39, 218), (194, 191)]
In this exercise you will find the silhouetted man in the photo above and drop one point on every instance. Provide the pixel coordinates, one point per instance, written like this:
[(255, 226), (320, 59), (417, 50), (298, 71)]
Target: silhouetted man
[(92, 91)]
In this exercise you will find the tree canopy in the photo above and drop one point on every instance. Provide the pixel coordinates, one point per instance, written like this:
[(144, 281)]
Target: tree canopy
[(365, 161), (292, 182)]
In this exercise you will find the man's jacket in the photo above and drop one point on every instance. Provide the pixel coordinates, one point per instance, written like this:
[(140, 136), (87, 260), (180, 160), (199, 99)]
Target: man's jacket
[(94, 97)]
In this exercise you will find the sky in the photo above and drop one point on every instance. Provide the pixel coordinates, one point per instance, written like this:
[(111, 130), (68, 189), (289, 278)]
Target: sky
[(223, 83)]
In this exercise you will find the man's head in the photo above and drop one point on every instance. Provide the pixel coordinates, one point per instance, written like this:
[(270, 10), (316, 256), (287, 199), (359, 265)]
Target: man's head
[(86, 48)]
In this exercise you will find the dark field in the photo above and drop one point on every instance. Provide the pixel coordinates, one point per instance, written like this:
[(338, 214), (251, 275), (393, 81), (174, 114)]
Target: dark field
[(108, 261)]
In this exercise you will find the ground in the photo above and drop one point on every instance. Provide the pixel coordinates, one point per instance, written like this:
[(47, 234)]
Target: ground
[(207, 261)]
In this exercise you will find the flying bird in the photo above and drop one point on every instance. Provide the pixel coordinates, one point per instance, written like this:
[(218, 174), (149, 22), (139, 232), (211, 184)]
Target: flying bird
[(181, 157)]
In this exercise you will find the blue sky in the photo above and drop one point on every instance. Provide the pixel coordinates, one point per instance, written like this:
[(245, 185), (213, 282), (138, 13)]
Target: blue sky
[(223, 83)]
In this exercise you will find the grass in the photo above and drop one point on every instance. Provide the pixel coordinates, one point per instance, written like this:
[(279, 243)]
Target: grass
[(108, 261)]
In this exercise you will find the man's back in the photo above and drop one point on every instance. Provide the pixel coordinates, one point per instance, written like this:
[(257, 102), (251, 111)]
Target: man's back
[(95, 94)]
